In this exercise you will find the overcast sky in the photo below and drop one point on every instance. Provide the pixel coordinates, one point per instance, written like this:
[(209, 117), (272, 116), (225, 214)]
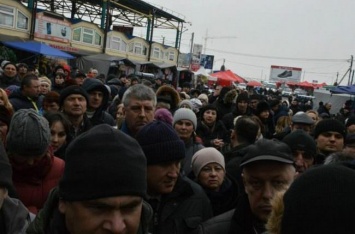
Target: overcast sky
[(268, 32)]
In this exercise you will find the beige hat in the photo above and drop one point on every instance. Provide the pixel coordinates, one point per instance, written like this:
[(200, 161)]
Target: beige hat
[(205, 156)]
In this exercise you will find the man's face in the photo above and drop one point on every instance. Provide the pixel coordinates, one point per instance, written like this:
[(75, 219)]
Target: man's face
[(74, 105), (303, 160), (242, 106), (262, 180), (22, 70), (330, 142), (10, 70), (162, 177), (33, 90), (299, 126), (138, 113), (328, 106), (351, 129), (79, 80), (253, 103), (119, 214), (95, 99)]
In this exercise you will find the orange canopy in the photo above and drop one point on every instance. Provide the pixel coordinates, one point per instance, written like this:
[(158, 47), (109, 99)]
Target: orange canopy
[(254, 83)]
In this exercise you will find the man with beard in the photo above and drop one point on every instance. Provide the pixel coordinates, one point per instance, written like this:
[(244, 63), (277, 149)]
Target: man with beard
[(73, 102), (27, 97), (179, 204), (139, 103), (267, 169)]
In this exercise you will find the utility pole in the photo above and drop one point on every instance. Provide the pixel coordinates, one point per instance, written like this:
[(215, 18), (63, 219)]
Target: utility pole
[(350, 69), (192, 45)]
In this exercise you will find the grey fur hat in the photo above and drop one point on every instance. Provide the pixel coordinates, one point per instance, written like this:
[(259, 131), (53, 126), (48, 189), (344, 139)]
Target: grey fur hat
[(29, 134)]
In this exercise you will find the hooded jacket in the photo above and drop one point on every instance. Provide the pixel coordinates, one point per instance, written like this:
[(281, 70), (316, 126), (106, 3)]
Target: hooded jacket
[(100, 115)]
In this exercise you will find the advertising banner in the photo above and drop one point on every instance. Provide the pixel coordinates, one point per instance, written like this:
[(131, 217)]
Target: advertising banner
[(206, 61), (52, 29), (285, 74), (196, 57)]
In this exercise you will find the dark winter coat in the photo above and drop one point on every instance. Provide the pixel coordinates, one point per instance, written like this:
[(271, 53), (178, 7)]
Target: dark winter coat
[(100, 116), (20, 101), (190, 149), (226, 198), (238, 221), (6, 81), (208, 134), (181, 211), (228, 119), (14, 217), (50, 220)]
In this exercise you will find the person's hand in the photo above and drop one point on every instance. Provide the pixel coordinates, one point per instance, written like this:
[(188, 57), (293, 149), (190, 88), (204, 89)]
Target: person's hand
[(218, 143)]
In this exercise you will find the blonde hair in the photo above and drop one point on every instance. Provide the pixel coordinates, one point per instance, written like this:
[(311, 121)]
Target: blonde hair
[(7, 103), (282, 123), (273, 225)]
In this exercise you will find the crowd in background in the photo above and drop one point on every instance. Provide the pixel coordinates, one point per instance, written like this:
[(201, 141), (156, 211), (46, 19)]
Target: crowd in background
[(217, 161)]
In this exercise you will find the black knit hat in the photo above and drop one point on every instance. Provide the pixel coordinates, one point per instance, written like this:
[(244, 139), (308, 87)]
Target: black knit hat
[(267, 150), (321, 201), (329, 125), (72, 89), (262, 106), (300, 140), (103, 162), (243, 97), (160, 143), (350, 121)]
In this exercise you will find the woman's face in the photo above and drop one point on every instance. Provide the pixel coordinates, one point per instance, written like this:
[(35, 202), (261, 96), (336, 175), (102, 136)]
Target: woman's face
[(58, 135), (184, 128), (313, 116), (264, 114), (10, 70), (59, 80), (44, 88), (119, 113), (211, 176), (210, 116)]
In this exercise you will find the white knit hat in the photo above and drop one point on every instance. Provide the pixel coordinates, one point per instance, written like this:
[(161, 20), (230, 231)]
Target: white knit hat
[(185, 114), (205, 156)]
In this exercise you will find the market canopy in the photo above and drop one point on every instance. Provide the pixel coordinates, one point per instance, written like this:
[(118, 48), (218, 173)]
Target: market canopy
[(254, 83), (228, 75), (38, 48), (344, 90)]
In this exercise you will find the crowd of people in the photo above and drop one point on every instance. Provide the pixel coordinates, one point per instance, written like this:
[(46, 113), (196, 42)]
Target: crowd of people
[(84, 153)]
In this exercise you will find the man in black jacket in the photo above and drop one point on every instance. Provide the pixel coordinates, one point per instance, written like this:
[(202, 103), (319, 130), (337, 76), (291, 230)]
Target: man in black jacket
[(267, 169), (98, 100), (179, 204)]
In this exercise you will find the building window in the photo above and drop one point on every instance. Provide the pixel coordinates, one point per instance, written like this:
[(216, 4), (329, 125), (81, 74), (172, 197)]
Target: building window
[(123, 46), (77, 34), (22, 21), (171, 56), (88, 35), (137, 48), (156, 52), (115, 43), (97, 39), (7, 16)]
